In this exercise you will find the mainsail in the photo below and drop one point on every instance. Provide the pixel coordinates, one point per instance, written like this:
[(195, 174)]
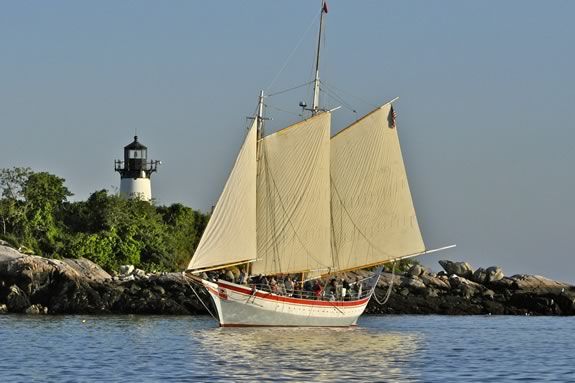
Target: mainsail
[(300, 202), (230, 236), (293, 199), (373, 218)]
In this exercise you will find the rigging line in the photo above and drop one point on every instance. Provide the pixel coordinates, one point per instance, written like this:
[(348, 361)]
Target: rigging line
[(388, 294), (289, 221), (282, 110), (288, 89), (353, 223), (200, 299), (326, 89), (334, 253), (269, 218), (294, 50), (288, 217), (350, 94), (335, 96)]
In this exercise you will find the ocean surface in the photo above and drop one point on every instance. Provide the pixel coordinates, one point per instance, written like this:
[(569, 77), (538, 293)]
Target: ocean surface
[(380, 349)]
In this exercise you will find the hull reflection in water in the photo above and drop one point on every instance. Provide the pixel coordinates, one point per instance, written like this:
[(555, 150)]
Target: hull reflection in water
[(311, 354)]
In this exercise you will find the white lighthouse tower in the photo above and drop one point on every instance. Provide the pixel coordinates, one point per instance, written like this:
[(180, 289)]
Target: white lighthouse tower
[(135, 171)]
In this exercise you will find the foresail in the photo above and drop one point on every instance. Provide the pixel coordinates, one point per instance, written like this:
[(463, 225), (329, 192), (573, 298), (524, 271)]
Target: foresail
[(293, 208), (373, 218), (230, 235)]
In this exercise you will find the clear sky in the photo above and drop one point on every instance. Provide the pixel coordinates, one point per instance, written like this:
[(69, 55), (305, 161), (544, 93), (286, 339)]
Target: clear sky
[(485, 115)]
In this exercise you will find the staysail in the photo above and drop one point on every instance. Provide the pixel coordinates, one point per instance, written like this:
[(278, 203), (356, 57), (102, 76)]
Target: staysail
[(230, 236), (373, 218), (293, 199)]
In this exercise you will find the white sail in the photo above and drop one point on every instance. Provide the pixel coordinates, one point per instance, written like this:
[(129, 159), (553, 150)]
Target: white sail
[(293, 193), (230, 235), (372, 211)]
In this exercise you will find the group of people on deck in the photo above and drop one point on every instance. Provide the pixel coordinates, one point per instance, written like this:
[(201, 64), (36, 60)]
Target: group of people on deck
[(334, 289)]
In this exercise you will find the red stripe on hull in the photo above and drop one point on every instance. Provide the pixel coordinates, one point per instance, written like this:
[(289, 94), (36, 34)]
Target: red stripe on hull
[(298, 301), (264, 325)]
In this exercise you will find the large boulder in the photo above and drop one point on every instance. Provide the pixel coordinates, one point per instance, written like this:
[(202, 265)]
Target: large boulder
[(413, 283), (435, 282), (465, 287), (7, 253), (462, 269), (479, 276), (36, 309), (387, 279), (494, 273), (126, 269), (537, 283), (139, 273), (415, 271), (17, 301), (88, 269), (504, 283)]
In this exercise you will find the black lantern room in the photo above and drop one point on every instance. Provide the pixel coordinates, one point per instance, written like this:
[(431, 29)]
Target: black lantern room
[(136, 164)]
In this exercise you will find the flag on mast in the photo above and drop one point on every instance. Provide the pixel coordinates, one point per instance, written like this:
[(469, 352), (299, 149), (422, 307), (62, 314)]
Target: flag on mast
[(391, 117), (324, 7)]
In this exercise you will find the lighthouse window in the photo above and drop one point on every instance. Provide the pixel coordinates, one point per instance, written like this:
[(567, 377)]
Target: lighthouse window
[(137, 153)]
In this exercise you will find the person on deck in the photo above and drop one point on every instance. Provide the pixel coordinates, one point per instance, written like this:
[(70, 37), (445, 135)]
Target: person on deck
[(344, 289), (289, 286), (317, 290), (307, 289), (331, 288), (273, 285), (265, 284), (358, 287), (229, 276), (242, 277)]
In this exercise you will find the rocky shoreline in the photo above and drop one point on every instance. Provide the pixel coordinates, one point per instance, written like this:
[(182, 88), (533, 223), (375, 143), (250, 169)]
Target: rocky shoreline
[(35, 285), (458, 290)]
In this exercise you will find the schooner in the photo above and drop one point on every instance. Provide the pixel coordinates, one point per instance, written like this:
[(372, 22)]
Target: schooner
[(300, 205)]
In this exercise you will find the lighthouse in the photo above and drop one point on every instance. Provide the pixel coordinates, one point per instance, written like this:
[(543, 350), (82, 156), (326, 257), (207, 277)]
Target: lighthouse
[(135, 171)]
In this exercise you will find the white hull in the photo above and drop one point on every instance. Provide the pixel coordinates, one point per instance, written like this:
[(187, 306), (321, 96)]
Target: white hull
[(239, 305)]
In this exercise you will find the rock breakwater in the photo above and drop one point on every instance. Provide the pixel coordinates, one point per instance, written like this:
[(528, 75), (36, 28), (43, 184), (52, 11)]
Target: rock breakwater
[(35, 285), (459, 290)]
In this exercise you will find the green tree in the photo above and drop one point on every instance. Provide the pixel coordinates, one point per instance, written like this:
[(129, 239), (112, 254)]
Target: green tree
[(105, 228), (185, 227), (12, 213), (44, 195)]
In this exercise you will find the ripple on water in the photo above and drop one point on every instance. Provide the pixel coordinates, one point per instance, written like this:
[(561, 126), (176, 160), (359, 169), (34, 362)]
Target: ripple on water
[(179, 349)]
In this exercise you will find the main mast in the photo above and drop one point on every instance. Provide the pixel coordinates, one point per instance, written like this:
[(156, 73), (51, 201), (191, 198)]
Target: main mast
[(315, 105), (260, 116)]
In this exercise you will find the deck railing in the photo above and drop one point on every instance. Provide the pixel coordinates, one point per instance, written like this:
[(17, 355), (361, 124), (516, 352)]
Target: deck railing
[(358, 289)]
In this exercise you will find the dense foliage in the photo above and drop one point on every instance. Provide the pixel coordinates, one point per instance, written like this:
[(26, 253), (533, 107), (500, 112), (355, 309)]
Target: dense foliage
[(111, 231)]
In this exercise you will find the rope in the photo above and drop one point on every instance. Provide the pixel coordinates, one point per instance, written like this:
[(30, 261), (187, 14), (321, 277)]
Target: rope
[(200, 299), (373, 246), (356, 97), (388, 294), (286, 214), (294, 50), (288, 89), (283, 110)]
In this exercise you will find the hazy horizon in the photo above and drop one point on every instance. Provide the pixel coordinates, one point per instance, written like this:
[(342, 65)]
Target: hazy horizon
[(484, 115)]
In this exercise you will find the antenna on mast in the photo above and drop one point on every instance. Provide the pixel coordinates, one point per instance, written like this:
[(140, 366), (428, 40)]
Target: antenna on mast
[(260, 115), (315, 105)]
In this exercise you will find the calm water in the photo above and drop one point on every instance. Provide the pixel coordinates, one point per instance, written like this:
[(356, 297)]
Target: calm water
[(185, 349)]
